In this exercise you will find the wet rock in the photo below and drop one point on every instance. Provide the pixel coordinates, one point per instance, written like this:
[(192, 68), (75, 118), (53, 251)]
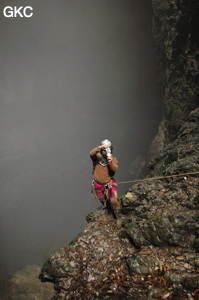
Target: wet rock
[(197, 262), (128, 202), (139, 264), (196, 201), (92, 216), (175, 228), (174, 278), (135, 235), (196, 244), (58, 267), (189, 281)]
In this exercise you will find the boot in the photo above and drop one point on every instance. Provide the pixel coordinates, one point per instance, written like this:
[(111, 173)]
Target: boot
[(118, 216)]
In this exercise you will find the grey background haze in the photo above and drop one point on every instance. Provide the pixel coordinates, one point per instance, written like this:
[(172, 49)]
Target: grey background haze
[(75, 73)]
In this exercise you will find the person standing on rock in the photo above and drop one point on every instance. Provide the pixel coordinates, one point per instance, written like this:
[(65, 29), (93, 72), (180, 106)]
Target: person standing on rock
[(104, 167)]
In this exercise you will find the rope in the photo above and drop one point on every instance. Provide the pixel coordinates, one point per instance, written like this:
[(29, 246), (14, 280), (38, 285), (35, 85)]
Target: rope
[(158, 178)]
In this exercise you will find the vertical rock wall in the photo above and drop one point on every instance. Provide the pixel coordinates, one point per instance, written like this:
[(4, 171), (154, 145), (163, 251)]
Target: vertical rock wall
[(175, 30)]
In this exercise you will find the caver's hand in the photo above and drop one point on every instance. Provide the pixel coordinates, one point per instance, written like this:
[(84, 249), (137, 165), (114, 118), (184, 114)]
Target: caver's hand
[(109, 157), (104, 146)]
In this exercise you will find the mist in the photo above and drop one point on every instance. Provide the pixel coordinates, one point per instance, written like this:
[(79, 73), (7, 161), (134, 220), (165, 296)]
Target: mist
[(75, 73)]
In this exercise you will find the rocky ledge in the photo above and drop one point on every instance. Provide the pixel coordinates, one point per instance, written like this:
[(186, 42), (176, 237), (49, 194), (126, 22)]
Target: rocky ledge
[(154, 254)]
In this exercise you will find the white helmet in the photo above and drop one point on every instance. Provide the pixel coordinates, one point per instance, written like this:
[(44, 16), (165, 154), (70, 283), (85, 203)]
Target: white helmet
[(106, 142)]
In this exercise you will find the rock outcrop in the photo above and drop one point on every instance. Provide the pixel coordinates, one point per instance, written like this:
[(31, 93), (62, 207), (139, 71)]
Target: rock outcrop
[(154, 255)]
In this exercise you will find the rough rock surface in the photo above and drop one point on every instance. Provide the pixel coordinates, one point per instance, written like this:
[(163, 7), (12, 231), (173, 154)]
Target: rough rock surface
[(154, 254), (175, 30)]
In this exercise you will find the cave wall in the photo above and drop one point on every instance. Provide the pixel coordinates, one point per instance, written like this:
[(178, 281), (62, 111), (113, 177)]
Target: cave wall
[(175, 24)]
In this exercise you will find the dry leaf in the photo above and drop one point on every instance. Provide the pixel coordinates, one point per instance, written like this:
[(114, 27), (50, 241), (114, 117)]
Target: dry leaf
[(156, 296), (163, 281), (167, 266), (180, 257), (196, 291), (147, 252)]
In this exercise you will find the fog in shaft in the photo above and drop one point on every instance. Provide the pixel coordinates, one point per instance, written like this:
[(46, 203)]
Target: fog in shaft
[(75, 73)]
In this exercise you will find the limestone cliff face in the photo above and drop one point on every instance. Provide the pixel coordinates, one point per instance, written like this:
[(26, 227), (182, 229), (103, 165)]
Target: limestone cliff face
[(175, 30)]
